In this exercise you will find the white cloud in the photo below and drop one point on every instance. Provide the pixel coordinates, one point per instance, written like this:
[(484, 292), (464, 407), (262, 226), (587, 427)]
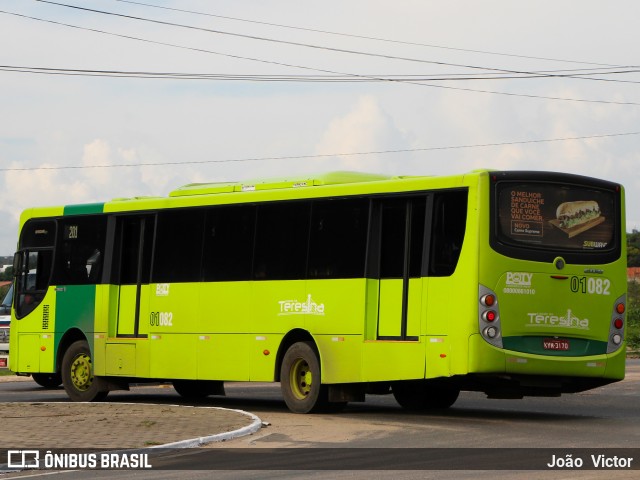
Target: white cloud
[(366, 128), (97, 153)]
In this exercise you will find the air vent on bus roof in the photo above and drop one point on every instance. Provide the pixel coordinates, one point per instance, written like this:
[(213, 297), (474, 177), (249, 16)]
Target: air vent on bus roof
[(332, 178)]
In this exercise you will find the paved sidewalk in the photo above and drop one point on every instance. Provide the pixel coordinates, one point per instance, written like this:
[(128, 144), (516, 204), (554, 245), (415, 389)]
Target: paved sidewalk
[(117, 425)]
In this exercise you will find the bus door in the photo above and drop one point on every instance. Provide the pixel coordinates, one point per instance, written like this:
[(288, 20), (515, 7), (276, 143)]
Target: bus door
[(395, 263), (402, 223), (129, 298)]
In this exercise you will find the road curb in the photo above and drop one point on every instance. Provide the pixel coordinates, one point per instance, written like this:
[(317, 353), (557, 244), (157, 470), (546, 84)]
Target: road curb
[(255, 426)]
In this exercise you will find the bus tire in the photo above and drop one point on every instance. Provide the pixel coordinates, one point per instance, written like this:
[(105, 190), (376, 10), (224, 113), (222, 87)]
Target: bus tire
[(198, 389), (300, 379), (47, 380), (77, 374), (424, 395)]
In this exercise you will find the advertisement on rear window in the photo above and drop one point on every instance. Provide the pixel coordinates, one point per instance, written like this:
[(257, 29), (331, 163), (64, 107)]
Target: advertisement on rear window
[(556, 216)]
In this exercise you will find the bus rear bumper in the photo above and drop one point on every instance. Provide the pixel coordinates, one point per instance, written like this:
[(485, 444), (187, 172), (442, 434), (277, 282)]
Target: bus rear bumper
[(508, 374)]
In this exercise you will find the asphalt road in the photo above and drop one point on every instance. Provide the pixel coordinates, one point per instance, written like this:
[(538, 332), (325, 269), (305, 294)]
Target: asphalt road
[(605, 420)]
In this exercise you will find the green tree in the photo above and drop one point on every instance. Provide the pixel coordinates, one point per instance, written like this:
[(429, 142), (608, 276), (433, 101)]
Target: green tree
[(633, 315), (633, 249), (7, 274)]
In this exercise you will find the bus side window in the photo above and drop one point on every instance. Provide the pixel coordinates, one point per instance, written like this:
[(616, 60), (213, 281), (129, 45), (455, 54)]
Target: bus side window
[(228, 243), (282, 235), (33, 264), (338, 238), (448, 228), (178, 249), (33, 281), (79, 253)]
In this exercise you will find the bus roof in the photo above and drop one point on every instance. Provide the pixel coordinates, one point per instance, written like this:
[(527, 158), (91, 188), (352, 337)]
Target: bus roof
[(337, 183), (331, 178)]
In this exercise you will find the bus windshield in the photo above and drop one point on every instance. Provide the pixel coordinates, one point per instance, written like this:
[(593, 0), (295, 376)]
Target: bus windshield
[(555, 218)]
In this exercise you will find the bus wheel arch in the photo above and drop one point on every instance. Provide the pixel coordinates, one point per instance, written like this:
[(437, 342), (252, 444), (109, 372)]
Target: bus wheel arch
[(70, 336), (48, 380), (300, 379), (76, 371), (294, 336)]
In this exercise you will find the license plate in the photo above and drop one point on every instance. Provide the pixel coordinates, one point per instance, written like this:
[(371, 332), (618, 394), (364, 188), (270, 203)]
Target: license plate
[(555, 344)]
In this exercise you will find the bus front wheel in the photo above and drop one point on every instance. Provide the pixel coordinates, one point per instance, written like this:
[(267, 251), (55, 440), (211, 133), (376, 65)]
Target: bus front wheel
[(300, 379), (77, 374), (47, 380)]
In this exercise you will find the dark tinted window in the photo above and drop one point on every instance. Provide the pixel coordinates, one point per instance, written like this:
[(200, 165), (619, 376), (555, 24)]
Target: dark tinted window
[(448, 228), (392, 238), (555, 216), (178, 247), (338, 238), (80, 250), (32, 279), (228, 244), (418, 209), (132, 253), (38, 234), (281, 241), (402, 222)]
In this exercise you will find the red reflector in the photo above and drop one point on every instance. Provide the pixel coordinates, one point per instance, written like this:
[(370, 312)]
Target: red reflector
[(489, 300), (620, 308), (618, 323), (490, 316)]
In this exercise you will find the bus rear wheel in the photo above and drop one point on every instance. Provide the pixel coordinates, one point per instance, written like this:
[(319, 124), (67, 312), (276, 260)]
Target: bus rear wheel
[(47, 380), (300, 379), (424, 395), (77, 374)]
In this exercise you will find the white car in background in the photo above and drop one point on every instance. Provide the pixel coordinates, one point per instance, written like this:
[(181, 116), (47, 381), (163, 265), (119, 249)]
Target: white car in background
[(5, 320)]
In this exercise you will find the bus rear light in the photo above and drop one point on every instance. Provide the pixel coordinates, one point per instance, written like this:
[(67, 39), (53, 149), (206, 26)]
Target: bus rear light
[(488, 300), (616, 327), (491, 332), (489, 316)]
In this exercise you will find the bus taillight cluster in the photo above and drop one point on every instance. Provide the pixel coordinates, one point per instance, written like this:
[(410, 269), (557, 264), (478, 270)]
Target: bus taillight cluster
[(616, 333), (490, 317)]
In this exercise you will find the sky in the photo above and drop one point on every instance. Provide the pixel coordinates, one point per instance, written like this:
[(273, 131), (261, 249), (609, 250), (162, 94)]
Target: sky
[(422, 88)]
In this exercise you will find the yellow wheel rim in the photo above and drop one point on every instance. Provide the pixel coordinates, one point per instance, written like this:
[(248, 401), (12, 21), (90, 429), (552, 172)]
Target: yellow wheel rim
[(300, 379), (81, 374)]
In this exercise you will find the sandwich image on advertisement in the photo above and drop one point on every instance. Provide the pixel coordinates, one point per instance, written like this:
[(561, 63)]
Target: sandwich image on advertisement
[(577, 217)]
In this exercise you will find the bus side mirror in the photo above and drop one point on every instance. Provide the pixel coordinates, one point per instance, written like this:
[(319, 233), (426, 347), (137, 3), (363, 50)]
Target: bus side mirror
[(17, 263)]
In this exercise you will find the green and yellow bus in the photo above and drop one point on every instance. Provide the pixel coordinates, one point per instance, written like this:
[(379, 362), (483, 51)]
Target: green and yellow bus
[(336, 286)]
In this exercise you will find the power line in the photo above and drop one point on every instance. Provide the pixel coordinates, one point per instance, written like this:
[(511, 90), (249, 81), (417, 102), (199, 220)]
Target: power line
[(299, 44), (276, 78), (363, 37), (327, 155), (282, 64)]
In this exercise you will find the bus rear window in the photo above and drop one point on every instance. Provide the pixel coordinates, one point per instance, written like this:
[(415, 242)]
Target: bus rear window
[(556, 216)]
